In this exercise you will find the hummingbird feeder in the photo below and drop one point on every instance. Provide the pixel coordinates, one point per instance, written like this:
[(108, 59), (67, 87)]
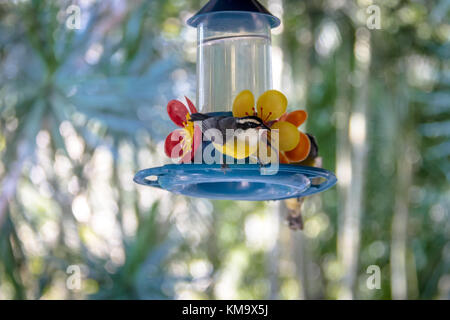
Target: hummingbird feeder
[(233, 66)]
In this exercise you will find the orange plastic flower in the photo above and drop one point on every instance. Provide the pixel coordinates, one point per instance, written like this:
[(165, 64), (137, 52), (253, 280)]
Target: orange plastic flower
[(301, 151)]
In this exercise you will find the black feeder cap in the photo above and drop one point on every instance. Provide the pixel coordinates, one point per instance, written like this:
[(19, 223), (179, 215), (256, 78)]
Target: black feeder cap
[(233, 5)]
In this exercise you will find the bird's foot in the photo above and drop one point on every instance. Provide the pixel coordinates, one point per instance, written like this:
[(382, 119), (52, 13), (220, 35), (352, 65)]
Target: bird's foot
[(224, 167), (261, 165)]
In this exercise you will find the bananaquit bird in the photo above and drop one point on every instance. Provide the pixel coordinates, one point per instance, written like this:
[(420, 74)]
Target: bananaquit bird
[(240, 143)]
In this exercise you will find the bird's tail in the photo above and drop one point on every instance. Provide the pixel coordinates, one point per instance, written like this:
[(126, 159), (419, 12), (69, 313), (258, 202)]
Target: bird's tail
[(199, 117)]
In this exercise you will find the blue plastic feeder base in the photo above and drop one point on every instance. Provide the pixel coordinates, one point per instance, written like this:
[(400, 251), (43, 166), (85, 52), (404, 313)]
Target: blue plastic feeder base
[(238, 181)]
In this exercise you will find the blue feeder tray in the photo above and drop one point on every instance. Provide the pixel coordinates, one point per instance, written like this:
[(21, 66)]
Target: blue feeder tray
[(238, 181)]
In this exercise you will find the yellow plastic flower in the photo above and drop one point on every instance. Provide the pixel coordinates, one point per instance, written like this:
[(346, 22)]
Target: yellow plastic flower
[(271, 106)]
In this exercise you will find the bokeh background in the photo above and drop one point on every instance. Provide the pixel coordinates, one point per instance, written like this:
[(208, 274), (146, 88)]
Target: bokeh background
[(82, 110)]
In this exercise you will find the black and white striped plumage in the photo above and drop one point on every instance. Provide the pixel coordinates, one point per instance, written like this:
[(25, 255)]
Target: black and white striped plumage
[(222, 123)]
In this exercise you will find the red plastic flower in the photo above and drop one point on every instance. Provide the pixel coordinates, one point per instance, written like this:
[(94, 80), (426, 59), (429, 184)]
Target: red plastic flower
[(182, 143)]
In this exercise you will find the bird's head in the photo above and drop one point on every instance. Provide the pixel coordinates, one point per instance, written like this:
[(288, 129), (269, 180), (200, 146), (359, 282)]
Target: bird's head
[(250, 122)]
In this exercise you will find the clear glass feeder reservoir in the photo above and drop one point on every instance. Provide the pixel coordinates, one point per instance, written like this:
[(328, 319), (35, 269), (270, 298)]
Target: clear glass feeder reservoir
[(234, 54)]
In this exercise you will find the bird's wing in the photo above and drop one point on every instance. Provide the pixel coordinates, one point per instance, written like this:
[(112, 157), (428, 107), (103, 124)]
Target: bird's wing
[(210, 123), (224, 124), (199, 117)]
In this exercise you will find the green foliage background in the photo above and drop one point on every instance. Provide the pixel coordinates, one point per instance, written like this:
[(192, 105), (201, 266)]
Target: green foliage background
[(82, 110)]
